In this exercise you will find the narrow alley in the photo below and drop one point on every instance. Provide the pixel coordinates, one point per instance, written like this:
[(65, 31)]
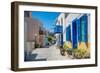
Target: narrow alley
[(51, 53)]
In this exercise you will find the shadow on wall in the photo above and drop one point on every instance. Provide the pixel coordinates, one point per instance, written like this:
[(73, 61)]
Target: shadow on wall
[(32, 57)]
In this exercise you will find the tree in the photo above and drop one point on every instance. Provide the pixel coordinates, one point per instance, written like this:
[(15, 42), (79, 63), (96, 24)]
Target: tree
[(50, 39)]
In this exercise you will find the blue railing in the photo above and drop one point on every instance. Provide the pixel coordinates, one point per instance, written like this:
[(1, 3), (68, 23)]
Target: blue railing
[(58, 29)]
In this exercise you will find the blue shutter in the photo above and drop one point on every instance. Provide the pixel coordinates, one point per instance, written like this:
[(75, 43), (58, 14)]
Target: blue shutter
[(74, 33), (68, 33), (84, 28), (79, 29)]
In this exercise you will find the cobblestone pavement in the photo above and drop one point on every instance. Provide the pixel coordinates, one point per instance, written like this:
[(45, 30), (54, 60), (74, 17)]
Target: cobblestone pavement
[(51, 53)]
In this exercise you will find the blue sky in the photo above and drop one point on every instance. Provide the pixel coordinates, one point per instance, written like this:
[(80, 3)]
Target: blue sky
[(47, 18)]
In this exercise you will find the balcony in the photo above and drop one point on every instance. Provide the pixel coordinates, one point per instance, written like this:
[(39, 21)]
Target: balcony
[(58, 29)]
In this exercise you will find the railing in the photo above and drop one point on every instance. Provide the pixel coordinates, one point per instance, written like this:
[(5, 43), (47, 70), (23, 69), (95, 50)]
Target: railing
[(58, 29)]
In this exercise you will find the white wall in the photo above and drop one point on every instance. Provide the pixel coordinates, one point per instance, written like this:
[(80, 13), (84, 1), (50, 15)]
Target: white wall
[(5, 38), (69, 20), (61, 19), (71, 17)]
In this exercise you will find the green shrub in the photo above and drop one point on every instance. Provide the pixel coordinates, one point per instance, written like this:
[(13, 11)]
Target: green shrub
[(65, 47), (49, 38), (81, 53)]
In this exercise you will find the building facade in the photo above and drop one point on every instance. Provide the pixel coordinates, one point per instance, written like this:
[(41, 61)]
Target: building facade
[(34, 33), (74, 29)]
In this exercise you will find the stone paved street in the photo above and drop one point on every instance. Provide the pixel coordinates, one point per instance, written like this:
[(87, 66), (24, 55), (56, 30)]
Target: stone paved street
[(51, 53)]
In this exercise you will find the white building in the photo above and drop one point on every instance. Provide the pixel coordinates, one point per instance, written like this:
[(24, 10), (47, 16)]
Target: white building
[(60, 22), (74, 20)]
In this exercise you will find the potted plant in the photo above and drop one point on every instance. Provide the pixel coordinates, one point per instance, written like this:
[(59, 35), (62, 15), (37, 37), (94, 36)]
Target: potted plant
[(62, 51)]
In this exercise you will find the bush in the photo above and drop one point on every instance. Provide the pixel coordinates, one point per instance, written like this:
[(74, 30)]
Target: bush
[(50, 39), (81, 53), (65, 47)]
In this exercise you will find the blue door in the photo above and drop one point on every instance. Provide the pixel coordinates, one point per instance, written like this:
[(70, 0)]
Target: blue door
[(74, 33), (84, 28)]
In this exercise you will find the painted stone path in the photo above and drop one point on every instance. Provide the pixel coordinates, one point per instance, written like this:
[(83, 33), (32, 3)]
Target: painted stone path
[(51, 53)]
